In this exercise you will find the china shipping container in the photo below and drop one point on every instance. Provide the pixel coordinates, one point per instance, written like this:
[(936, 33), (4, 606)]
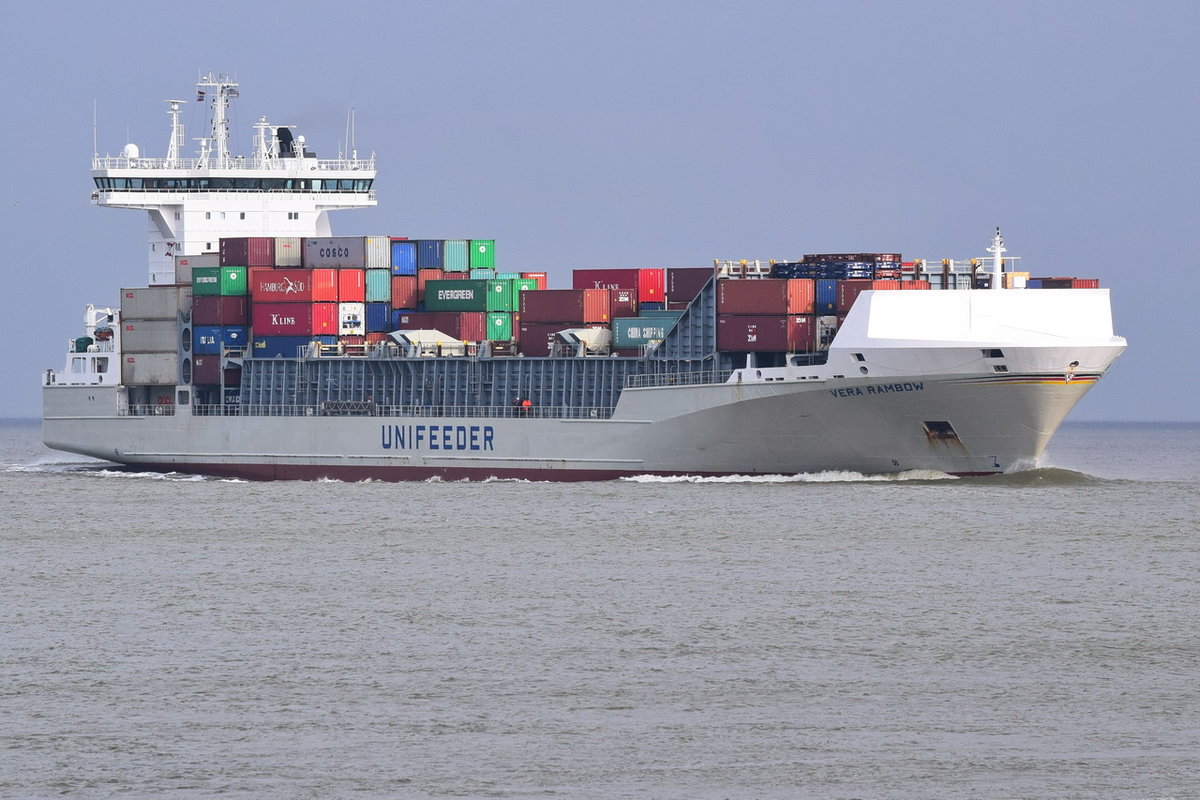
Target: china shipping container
[(404, 257), (149, 369), (352, 286), (404, 291), (379, 286), (247, 251), (483, 253), (156, 302), (289, 253), (684, 283), (377, 252), (462, 295), (455, 255), (220, 311), (335, 252), (351, 318), (150, 335), (282, 319), (793, 333), (765, 296), (210, 339), (566, 305), (631, 332), (283, 285), (429, 253)]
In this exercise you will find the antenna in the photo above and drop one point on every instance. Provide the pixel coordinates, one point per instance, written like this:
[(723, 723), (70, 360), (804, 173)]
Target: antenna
[(95, 131)]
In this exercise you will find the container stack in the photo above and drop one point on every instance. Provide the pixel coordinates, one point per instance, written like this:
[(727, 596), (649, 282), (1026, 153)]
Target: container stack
[(766, 315), (150, 339)]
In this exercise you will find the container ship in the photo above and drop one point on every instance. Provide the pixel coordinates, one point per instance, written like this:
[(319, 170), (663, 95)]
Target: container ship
[(264, 347)]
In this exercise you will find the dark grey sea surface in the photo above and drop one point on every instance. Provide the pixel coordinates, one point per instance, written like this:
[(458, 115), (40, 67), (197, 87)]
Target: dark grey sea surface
[(1034, 635)]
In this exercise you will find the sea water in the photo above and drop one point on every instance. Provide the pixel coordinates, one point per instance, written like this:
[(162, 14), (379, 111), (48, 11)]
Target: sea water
[(1032, 635)]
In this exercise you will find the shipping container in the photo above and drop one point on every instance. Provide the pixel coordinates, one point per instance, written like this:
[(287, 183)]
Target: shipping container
[(247, 251), (289, 252), (460, 295), (535, 338), (156, 302), (404, 257), (325, 319), (868, 258), (325, 285), (220, 311), (352, 286), (209, 339), (629, 332), (914, 284), (652, 285), (541, 278), (229, 281), (283, 285), (765, 296), (379, 286), (351, 319), (622, 303), (335, 252), (279, 346), (472, 326), (499, 326), (429, 253), (791, 333), (573, 306), (282, 319), (825, 296), (506, 276), (1066, 283), (376, 337), (848, 292), (889, 284), (500, 296), (424, 276), (483, 273), (605, 279), (377, 252), (483, 253), (206, 371), (379, 317), (455, 256), (185, 264), (149, 369), (150, 335), (404, 291), (684, 283)]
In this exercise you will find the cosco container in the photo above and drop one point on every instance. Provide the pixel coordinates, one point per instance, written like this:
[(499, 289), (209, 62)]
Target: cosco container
[(404, 291), (149, 369), (283, 285), (429, 253), (156, 302), (452, 295), (150, 335), (793, 333), (404, 257), (247, 251), (282, 319), (379, 286), (455, 257), (209, 339), (220, 311), (483, 253), (335, 252), (279, 346), (377, 252), (289, 253), (379, 317), (499, 326), (352, 319)]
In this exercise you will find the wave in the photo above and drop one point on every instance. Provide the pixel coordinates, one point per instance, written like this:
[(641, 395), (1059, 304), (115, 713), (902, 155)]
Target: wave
[(828, 476), (102, 469)]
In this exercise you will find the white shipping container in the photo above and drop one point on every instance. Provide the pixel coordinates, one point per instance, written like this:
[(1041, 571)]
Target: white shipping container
[(149, 335), (156, 302), (149, 369), (378, 252), (288, 251), (352, 319), (185, 264)]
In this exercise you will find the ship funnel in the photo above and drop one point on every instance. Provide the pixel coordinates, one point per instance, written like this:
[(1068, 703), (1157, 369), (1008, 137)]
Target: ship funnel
[(285, 143)]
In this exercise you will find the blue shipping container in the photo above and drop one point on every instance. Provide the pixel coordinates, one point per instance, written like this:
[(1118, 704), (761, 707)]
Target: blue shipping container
[(379, 318), (207, 340), (282, 346), (404, 258), (826, 300), (429, 254)]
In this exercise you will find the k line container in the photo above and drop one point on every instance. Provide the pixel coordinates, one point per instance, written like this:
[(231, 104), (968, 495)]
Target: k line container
[(282, 319), (150, 335), (156, 302), (247, 251), (455, 257), (284, 285), (483, 253), (220, 311), (335, 252), (605, 279), (404, 257)]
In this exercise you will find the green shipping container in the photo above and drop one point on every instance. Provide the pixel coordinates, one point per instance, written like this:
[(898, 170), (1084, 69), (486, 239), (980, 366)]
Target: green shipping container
[(521, 285), (223, 281), (638, 331), (500, 296), (454, 255), (499, 326), (379, 286), (483, 252), (456, 295)]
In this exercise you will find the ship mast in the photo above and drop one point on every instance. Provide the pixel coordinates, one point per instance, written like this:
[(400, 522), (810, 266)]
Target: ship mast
[(997, 250)]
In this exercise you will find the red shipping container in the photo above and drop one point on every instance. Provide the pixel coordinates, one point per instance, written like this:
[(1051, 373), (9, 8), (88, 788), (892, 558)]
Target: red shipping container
[(404, 291), (324, 285), (540, 277), (573, 306), (622, 303), (684, 283), (248, 251), (206, 371), (793, 333), (281, 285), (425, 275), (534, 338), (352, 286), (219, 310), (885, 284), (766, 296), (325, 320), (377, 338), (921, 284), (282, 319), (848, 292), (472, 326), (448, 322), (652, 285), (605, 279)]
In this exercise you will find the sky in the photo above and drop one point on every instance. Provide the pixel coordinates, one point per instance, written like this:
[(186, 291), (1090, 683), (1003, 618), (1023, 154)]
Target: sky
[(648, 134)]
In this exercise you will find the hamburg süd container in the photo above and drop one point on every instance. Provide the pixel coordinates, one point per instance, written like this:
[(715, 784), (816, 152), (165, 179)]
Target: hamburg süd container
[(483, 253), (283, 285), (335, 252), (247, 251)]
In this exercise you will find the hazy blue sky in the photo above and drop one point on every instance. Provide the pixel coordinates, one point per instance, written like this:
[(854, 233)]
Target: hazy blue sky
[(597, 134)]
